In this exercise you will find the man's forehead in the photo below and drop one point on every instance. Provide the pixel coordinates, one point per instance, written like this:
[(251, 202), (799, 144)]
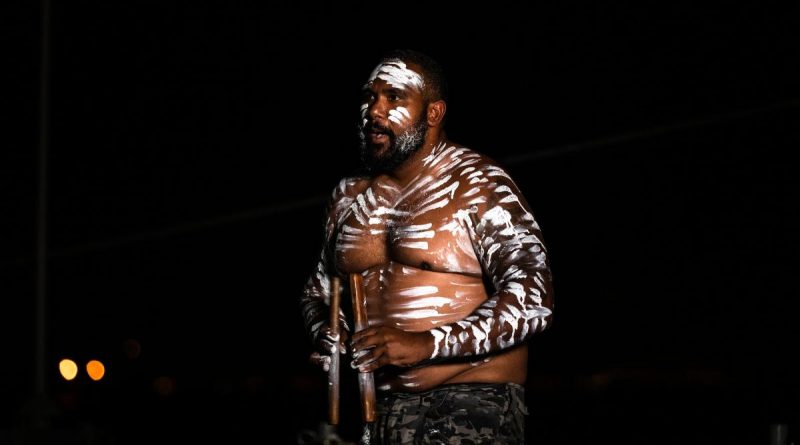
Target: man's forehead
[(397, 74)]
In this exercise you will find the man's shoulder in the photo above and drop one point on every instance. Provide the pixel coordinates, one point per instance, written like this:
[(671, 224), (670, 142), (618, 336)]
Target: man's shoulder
[(458, 158), (348, 188), (466, 165)]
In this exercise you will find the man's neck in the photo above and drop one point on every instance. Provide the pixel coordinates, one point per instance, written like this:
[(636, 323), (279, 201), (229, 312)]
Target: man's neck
[(412, 167)]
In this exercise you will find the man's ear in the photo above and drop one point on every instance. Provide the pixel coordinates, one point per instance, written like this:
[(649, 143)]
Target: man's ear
[(436, 112)]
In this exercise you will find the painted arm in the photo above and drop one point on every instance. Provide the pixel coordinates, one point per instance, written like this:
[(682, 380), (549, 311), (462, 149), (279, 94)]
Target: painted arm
[(315, 298), (509, 246)]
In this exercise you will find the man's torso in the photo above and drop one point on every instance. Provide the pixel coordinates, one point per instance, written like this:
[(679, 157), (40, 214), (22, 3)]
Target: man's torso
[(413, 247)]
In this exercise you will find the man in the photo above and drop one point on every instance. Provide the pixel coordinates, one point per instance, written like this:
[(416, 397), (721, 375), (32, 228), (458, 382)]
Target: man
[(454, 270)]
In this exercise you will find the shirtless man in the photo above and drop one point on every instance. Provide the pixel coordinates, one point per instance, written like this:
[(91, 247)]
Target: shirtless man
[(454, 270)]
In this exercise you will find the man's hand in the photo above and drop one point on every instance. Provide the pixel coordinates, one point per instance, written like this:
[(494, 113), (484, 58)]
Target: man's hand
[(327, 345), (383, 345)]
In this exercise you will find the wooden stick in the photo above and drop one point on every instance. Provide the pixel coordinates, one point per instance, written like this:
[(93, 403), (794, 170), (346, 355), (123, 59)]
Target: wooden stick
[(366, 382), (333, 370)]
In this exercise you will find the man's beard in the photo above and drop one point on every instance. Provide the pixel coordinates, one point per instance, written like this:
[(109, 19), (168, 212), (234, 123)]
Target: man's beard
[(400, 148)]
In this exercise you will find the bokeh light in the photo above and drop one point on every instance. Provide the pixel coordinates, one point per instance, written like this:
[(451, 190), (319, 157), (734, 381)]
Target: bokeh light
[(68, 369), (95, 369)]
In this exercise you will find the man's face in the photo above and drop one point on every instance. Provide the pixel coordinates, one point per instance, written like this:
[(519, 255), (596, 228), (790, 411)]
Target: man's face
[(393, 121)]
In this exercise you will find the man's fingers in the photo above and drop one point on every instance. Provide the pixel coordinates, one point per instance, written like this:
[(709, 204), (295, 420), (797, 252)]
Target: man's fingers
[(320, 360), (330, 346), (365, 339), (363, 333), (327, 345), (331, 338), (374, 364), (326, 331), (366, 357)]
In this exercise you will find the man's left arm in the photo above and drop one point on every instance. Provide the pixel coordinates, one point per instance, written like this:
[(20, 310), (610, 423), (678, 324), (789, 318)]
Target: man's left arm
[(508, 242)]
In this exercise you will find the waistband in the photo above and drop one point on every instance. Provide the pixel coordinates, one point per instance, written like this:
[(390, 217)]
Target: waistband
[(455, 387)]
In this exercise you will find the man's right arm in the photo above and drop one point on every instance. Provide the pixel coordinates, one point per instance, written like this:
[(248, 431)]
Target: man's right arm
[(315, 299)]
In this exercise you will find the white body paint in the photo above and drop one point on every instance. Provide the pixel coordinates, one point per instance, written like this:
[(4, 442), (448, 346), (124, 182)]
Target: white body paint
[(422, 250)]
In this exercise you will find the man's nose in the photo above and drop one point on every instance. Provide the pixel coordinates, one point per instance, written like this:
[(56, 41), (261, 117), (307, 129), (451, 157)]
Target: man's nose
[(378, 109)]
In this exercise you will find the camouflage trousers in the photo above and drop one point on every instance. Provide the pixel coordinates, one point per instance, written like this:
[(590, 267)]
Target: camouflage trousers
[(477, 413)]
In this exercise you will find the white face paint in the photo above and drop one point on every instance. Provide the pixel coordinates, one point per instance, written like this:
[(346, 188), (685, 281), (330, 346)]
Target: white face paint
[(364, 119), (396, 117), (404, 111), (396, 74), (399, 115)]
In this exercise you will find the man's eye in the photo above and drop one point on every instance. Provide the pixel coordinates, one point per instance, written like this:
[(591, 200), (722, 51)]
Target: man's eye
[(394, 97)]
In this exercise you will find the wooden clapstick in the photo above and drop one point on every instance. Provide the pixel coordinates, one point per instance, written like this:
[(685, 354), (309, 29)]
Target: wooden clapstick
[(333, 370), (366, 383)]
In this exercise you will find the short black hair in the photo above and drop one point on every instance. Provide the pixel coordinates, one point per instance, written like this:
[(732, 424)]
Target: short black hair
[(432, 73)]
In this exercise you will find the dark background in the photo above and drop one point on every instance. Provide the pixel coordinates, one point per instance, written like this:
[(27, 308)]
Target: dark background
[(191, 147)]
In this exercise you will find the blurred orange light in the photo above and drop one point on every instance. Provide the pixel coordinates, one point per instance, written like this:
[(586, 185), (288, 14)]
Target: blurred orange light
[(95, 369), (68, 369)]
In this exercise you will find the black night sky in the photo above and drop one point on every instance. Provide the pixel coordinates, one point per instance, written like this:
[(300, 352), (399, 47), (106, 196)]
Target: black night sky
[(191, 145)]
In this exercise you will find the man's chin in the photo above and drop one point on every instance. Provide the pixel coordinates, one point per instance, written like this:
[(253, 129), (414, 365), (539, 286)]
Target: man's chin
[(372, 156), (378, 151)]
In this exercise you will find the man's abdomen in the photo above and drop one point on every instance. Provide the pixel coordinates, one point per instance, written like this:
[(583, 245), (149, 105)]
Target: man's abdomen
[(508, 366), (416, 300)]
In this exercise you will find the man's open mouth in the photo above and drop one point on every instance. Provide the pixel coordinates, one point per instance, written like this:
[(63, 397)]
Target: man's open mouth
[(377, 134)]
